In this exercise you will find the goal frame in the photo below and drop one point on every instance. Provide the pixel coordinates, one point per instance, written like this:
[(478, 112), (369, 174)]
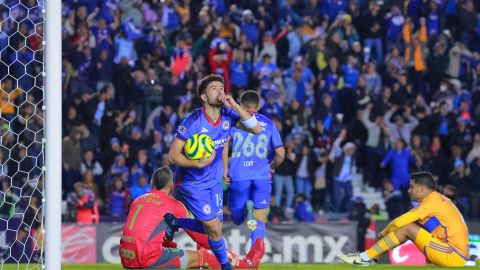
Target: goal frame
[(53, 128)]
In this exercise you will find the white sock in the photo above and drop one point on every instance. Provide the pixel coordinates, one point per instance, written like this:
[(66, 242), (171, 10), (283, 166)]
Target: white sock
[(364, 256)]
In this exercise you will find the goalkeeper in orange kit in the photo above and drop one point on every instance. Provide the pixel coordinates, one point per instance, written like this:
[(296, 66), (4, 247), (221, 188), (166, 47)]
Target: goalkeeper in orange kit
[(436, 227)]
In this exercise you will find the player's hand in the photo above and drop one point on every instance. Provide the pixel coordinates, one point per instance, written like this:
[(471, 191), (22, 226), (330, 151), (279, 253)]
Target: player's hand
[(205, 161), (228, 101), (227, 179)]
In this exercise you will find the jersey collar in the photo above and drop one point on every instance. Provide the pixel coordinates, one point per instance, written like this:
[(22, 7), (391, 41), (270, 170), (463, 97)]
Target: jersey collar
[(215, 124), (158, 192)]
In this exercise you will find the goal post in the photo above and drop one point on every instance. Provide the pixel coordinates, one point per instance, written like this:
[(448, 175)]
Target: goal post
[(53, 128)]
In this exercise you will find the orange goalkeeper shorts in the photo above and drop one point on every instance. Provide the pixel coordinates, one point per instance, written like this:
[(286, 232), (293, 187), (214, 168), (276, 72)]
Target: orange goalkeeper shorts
[(438, 252)]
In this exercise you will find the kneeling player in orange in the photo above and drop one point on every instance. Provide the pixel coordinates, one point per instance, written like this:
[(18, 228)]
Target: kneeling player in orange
[(143, 243), (436, 227)]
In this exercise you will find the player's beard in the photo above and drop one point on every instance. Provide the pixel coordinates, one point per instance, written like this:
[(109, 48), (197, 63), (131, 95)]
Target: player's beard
[(214, 102)]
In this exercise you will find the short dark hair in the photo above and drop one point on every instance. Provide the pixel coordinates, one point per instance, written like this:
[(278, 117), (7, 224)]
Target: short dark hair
[(202, 87), (425, 179), (250, 99), (162, 177)]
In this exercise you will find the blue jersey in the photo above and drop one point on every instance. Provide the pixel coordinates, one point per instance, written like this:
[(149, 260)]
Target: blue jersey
[(199, 122), (251, 152)]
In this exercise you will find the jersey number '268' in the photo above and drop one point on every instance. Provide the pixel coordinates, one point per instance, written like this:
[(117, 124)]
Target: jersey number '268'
[(247, 147)]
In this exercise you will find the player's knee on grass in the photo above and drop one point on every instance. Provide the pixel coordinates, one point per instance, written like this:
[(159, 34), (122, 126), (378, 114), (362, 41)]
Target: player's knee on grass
[(238, 215), (213, 228)]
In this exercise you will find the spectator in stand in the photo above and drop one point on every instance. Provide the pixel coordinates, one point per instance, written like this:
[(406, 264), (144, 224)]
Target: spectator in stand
[(118, 201), (119, 168), (265, 69), (343, 171), (305, 172), (376, 147), (399, 129), (240, 68), (283, 178), (140, 187), (373, 24), (303, 209), (399, 160), (89, 163), (360, 214), (320, 183), (72, 159), (87, 210), (459, 178), (271, 108), (220, 58)]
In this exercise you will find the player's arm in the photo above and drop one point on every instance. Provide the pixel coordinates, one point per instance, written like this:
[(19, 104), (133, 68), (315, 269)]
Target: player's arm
[(176, 156), (399, 222), (249, 122), (226, 160), (278, 159), (277, 144)]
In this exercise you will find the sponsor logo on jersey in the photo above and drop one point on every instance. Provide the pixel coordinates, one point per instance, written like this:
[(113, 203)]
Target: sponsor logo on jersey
[(225, 125), (204, 130), (219, 143), (264, 201)]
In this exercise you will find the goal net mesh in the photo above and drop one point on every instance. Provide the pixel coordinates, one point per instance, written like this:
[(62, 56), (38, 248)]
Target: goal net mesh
[(21, 133)]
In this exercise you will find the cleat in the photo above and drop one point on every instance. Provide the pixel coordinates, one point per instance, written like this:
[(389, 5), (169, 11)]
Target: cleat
[(251, 221), (254, 257), (172, 226), (354, 259)]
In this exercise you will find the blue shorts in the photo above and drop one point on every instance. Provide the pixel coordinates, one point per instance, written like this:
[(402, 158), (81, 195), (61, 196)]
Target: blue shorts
[(204, 204), (258, 191)]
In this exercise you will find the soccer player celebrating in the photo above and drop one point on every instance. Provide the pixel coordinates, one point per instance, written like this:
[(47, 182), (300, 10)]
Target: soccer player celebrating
[(143, 243), (197, 183), (436, 227), (250, 172)]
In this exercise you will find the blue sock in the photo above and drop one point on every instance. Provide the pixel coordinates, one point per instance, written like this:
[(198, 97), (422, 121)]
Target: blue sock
[(238, 215), (190, 224), (259, 232), (220, 250)]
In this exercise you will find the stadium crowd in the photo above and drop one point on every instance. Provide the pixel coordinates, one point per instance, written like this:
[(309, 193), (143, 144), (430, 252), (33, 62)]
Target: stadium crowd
[(378, 89)]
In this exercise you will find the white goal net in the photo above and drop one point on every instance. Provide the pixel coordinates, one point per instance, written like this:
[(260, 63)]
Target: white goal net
[(21, 133)]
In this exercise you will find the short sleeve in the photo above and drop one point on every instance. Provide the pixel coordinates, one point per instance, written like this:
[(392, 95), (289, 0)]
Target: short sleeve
[(276, 138), (185, 129), (233, 115)]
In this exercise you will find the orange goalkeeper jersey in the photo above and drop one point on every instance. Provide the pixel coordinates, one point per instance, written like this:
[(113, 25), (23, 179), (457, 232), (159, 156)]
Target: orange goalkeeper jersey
[(439, 216)]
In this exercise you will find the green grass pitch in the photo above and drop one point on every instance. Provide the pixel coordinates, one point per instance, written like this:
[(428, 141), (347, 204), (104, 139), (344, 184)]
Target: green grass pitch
[(262, 267)]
